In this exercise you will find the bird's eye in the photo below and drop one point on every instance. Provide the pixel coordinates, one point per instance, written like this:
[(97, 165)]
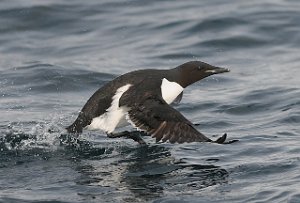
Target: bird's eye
[(199, 68)]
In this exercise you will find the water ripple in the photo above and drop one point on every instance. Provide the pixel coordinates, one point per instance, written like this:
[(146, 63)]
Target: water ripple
[(54, 55)]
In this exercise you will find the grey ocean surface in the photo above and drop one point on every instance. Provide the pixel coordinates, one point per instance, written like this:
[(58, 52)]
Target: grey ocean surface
[(55, 54)]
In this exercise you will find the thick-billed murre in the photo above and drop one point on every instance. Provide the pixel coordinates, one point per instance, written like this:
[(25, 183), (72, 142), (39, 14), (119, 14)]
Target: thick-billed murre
[(142, 98)]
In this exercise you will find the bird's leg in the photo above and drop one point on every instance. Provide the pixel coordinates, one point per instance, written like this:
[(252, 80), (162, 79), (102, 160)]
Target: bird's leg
[(135, 135), (118, 134)]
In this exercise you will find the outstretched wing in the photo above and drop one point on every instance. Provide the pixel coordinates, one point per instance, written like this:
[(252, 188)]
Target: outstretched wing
[(163, 122), (150, 113)]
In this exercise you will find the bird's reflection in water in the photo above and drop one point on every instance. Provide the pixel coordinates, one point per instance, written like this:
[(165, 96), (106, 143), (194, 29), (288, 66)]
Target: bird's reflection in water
[(148, 172), (155, 172)]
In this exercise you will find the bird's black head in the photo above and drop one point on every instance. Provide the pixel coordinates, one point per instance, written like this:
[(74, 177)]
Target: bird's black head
[(193, 71)]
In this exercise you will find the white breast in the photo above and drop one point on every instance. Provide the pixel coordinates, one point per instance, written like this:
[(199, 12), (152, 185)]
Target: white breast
[(170, 90), (114, 116)]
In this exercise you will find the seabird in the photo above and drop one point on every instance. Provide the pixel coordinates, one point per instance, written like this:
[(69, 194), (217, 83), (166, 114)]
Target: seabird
[(143, 99)]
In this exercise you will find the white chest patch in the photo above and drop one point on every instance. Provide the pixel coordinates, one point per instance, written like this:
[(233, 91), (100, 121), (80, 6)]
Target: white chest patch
[(170, 90), (114, 116)]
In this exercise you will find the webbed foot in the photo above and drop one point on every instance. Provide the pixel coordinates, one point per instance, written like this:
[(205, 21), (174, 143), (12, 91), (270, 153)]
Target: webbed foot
[(221, 140)]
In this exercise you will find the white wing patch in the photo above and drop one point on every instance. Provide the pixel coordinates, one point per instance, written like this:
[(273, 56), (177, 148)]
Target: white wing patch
[(170, 90), (114, 116)]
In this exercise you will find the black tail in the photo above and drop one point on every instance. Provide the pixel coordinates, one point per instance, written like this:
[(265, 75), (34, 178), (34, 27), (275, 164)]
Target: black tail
[(75, 128), (81, 122)]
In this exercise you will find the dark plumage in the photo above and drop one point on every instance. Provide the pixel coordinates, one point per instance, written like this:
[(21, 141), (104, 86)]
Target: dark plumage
[(143, 97)]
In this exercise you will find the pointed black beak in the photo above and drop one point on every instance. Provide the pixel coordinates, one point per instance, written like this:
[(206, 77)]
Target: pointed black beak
[(217, 70)]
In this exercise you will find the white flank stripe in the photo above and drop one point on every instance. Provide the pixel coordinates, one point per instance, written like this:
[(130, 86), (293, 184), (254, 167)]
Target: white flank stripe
[(115, 115)]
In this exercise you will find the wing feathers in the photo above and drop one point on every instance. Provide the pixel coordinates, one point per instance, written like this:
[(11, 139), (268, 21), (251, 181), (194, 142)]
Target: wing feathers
[(179, 131), (150, 113)]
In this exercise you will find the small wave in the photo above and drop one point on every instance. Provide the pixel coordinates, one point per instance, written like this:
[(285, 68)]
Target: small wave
[(210, 25), (47, 78)]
